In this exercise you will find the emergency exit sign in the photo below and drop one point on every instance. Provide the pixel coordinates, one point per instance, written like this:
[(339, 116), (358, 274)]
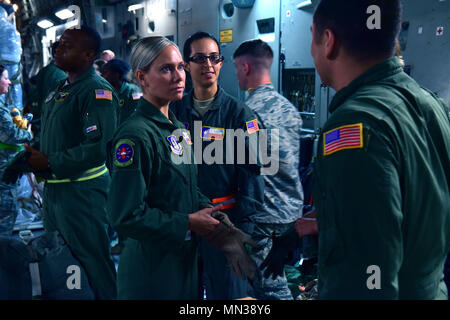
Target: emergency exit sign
[(226, 35)]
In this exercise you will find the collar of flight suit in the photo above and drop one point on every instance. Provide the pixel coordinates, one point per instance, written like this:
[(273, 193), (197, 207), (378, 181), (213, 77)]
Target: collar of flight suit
[(152, 113), (382, 70), (88, 73), (261, 88), (217, 100)]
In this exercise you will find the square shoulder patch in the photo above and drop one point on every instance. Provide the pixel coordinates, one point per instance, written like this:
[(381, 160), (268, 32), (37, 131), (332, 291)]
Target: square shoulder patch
[(344, 137), (103, 94), (252, 126)]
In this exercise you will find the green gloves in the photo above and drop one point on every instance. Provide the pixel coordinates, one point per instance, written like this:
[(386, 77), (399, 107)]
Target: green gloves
[(281, 245), (231, 241), (16, 167)]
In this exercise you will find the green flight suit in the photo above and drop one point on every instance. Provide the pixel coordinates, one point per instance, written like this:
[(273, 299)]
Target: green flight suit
[(381, 190), (149, 202), (46, 81), (78, 119), (129, 95)]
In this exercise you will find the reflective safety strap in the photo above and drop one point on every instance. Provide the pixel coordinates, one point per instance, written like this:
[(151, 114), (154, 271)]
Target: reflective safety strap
[(226, 202), (88, 175), (10, 147), (36, 289)]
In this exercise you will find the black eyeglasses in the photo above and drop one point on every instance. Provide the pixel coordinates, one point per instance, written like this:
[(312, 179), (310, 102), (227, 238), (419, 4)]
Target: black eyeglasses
[(201, 58)]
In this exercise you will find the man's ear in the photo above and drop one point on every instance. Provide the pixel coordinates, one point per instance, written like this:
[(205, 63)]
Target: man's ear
[(331, 44), (187, 67), (247, 68), (90, 55)]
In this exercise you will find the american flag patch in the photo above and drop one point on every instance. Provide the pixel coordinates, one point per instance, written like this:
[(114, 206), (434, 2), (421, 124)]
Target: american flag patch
[(137, 96), (252, 126), (345, 137), (90, 129), (103, 94)]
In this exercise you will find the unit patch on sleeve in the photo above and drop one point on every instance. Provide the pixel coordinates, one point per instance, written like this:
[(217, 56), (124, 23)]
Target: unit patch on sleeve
[(174, 145), (124, 153), (103, 94), (345, 137), (252, 126)]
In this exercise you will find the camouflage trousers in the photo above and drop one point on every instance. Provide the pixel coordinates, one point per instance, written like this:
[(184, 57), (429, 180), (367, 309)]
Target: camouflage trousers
[(268, 288), (8, 209)]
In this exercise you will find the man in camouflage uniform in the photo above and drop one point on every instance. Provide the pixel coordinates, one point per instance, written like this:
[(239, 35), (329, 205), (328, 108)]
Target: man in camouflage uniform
[(283, 199), (10, 138)]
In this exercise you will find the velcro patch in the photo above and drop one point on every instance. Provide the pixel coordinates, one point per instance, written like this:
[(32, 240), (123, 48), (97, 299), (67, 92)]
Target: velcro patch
[(344, 137), (103, 94), (137, 95), (211, 133), (124, 153), (252, 126), (91, 128)]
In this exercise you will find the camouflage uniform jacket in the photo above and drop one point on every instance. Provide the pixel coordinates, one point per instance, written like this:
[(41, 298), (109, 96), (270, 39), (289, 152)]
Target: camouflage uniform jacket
[(283, 191)]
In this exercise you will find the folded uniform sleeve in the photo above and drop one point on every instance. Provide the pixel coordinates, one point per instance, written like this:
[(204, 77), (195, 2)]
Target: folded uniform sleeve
[(130, 213)]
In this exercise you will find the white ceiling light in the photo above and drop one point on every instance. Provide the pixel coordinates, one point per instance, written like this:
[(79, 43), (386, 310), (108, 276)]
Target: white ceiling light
[(64, 14), (135, 7), (304, 4), (44, 24)]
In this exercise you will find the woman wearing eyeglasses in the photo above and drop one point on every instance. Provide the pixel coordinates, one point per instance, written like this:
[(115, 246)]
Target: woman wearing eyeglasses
[(10, 138), (154, 200), (239, 187)]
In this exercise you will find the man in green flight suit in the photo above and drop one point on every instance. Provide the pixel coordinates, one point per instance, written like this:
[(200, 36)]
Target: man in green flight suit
[(116, 72), (45, 82), (382, 173), (78, 119)]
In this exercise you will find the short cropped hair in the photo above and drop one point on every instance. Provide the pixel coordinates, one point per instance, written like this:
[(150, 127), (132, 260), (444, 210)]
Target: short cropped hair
[(93, 40), (187, 49), (255, 48), (348, 20)]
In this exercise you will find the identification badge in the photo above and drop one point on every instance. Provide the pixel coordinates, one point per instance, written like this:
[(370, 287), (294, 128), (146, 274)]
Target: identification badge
[(124, 153), (211, 133), (175, 146)]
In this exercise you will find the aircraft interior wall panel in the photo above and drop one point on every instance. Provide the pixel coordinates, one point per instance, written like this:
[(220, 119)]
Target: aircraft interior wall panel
[(426, 44), (244, 25), (197, 15)]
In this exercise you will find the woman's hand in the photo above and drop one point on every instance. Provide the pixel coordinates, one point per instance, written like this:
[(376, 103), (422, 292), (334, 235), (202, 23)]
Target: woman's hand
[(201, 221)]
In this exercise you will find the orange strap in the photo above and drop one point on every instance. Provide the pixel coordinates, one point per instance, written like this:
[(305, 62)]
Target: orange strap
[(226, 202)]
